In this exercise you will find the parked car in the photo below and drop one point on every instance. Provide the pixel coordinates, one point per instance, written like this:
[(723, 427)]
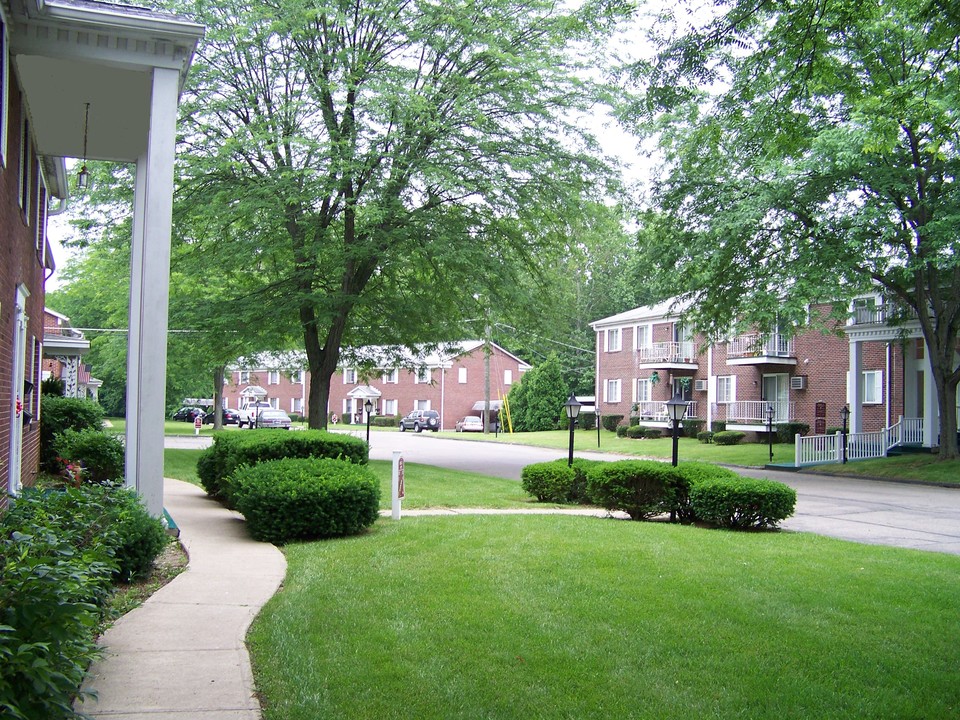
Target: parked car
[(470, 423), (420, 420), (273, 419), (188, 414), (248, 414), (230, 417)]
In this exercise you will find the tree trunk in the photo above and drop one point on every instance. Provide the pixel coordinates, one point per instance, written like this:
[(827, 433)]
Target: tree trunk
[(218, 374), (946, 397)]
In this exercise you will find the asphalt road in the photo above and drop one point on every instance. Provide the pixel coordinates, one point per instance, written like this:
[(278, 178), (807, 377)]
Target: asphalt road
[(869, 511)]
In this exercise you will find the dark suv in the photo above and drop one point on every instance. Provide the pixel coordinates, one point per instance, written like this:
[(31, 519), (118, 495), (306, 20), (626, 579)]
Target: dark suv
[(420, 420)]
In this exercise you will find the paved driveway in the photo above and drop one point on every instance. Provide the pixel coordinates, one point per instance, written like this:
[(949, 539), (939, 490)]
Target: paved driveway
[(885, 513)]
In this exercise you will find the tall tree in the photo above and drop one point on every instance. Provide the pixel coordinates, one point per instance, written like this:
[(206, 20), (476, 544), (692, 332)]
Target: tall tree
[(826, 165), (390, 157)]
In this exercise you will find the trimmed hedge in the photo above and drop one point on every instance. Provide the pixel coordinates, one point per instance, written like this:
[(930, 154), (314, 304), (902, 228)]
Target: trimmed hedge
[(622, 430), (652, 433), (705, 437), (100, 455), (634, 431), (230, 450), (693, 426), (587, 421), (640, 488), (718, 425), (303, 499), (787, 432), (58, 414), (389, 421), (556, 482), (728, 437), (689, 474), (742, 502), (610, 422)]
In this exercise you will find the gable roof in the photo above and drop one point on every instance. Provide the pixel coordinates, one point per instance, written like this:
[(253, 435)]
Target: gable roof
[(669, 309)]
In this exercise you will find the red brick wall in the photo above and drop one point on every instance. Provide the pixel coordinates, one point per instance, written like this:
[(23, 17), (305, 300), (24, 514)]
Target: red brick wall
[(20, 264)]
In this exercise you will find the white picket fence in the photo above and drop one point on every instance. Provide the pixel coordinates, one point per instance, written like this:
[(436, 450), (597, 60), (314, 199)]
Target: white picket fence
[(820, 449)]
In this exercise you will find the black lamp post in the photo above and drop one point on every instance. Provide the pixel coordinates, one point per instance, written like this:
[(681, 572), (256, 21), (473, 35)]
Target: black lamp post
[(676, 408), (572, 408), (368, 406), (771, 411), (845, 416)]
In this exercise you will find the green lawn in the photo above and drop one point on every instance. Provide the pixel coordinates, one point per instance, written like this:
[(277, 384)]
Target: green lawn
[(912, 466), (181, 464), (566, 617)]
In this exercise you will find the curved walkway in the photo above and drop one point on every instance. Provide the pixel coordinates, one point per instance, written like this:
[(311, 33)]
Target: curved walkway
[(182, 654)]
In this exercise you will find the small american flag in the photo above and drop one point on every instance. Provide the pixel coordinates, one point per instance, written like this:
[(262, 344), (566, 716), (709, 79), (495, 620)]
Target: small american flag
[(83, 375)]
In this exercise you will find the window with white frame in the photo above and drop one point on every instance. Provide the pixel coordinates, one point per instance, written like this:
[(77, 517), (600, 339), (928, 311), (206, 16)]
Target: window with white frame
[(462, 375), (349, 376), (275, 403), (390, 376), (389, 407), (643, 389), (422, 405), (644, 336), (296, 377), (273, 377), (872, 387), (613, 339), (726, 388), (296, 405), (244, 377), (612, 391), (422, 375), (508, 377)]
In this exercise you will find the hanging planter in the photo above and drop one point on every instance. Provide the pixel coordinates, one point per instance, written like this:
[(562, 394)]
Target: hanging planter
[(654, 378)]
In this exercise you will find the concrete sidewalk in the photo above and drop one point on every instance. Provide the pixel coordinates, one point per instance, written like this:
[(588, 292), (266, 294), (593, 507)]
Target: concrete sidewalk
[(182, 654)]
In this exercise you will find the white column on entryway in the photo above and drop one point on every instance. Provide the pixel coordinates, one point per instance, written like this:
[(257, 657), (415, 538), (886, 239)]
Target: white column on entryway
[(855, 387), (931, 408), (149, 295)]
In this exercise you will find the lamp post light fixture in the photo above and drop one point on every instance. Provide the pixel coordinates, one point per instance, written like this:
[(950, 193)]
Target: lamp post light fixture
[(572, 408), (368, 406), (771, 411), (845, 416), (676, 409)]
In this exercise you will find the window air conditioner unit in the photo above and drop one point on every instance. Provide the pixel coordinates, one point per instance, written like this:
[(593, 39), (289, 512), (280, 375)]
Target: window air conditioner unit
[(700, 385), (798, 382)]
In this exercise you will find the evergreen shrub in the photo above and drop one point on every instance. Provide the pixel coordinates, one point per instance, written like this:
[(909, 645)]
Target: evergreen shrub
[(688, 474), (693, 426), (59, 414), (728, 437), (652, 433), (610, 422), (306, 498), (787, 432), (548, 481), (100, 455), (634, 431), (742, 503), (640, 488), (705, 437), (622, 431)]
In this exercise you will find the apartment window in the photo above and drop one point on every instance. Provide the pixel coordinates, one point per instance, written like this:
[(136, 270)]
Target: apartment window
[(422, 375), (390, 376), (422, 405), (273, 377), (275, 403), (389, 407), (462, 376), (508, 377), (613, 339), (872, 387), (296, 405), (643, 336), (244, 377), (643, 390), (612, 391), (726, 388), (296, 377), (349, 376)]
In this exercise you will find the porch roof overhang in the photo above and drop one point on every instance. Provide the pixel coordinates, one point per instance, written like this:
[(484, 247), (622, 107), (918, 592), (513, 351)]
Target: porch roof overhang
[(55, 344), (664, 365), (364, 391), (762, 360), (494, 405)]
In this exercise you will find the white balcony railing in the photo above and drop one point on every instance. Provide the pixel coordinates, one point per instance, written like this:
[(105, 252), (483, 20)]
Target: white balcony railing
[(755, 411), (817, 449), (657, 410), (668, 352), (757, 345), (869, 315)]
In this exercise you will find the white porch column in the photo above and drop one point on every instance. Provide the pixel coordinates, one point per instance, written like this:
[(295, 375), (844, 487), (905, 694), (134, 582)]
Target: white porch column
[(855, 386), (931, 408), (149, 293)]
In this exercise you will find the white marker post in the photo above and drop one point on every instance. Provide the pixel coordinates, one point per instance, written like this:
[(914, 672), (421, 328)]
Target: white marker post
[(197, 424), (397, 484)]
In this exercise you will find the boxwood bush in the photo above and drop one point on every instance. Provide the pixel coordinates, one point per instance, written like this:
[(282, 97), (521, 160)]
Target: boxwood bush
[(741, 503), (693, 426), (556, 482), (100, 455), (622, 430), (652, 433), (59, 414), (302, 499), (728, 437), (640, 488), (634, 431), (787, 432), (610, 422), (689, 474), (231, 450), (705, 437)]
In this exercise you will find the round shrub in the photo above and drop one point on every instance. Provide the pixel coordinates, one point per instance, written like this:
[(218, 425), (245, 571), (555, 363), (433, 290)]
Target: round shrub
[(640, 488), (705, 437), (634, 431), (652, 433), (59, 414), (302, 499), (622, 431), (689, 474), (548, 481), (610, 422), (787, 432), (728, 437), (139, 537), (693, 426), (742, 502), (100, 455), (587, 421), (719, 426)]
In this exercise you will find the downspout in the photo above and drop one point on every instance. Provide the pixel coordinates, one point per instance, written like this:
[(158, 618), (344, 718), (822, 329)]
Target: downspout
[(889, 385)]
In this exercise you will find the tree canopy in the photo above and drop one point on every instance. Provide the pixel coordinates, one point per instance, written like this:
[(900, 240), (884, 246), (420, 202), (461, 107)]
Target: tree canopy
[(812, 154)]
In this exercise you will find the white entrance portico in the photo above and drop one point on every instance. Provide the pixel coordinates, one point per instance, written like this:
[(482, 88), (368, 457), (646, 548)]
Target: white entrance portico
[(121, 67)]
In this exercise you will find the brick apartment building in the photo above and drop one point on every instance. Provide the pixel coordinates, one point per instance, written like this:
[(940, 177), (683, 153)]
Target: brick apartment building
[(645, 356), (452, 383), (63, 350)]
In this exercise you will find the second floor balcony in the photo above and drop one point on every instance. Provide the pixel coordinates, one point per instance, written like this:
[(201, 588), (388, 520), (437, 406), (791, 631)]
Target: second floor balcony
[(761, 348), (668, 354), (656, 410), (754, 412)]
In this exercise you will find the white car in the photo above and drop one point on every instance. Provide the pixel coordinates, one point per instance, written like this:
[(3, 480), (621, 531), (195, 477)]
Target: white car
[(248, 415), (470, 423)]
